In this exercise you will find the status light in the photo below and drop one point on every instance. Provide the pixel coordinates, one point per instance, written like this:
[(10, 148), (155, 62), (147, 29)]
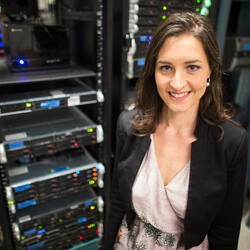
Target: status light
[(204, 11), (90, 130), (208, 3), (91, 182), (165, 7), (92, 207), (198, 1), (91, 225), (164, 17), (21, 62), (80, 237), (75, 175), (28, 104)]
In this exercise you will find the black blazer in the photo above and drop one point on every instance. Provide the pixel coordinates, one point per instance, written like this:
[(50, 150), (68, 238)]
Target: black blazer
[(215, 194)]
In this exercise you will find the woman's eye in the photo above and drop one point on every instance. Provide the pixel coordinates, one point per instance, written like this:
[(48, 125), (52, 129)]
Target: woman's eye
[(193, 67), (166, 68)]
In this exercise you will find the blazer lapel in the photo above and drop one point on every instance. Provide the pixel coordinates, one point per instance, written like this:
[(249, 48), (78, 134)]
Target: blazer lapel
[(129, 166)]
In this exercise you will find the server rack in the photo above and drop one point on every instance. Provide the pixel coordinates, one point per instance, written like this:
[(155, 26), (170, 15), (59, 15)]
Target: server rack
[(236, 55), (55, 137)]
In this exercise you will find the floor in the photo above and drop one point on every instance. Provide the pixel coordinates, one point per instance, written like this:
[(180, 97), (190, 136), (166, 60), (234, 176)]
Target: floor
[(244, 239)]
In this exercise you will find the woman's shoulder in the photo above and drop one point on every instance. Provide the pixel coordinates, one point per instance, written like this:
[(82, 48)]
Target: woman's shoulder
[(233, 128), (233, 131), (126, 115)]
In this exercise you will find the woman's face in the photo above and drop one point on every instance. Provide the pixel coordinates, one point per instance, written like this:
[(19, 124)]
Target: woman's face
[(181, 73)]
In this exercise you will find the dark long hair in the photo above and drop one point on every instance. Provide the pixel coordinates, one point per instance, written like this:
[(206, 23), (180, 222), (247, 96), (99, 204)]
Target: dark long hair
[(148, 102)]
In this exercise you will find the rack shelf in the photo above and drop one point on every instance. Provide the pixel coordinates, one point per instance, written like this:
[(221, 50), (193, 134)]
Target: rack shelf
[(67, 72)]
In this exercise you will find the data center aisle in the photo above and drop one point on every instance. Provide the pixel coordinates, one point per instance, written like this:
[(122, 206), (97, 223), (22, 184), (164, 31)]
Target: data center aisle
[(244, 239)]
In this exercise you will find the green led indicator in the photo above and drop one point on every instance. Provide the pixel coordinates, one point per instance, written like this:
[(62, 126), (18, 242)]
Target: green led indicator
[(22, 237), (208, 3), (164, 17), (197, 10), (91, 182), (92, 225), (165, 7), (60, 220), (90, 130), (10, 202), (40, 226), (204, 11), (198, 1), (28, 104)]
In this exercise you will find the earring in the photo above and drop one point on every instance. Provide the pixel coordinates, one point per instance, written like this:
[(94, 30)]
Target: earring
[(208, 81)]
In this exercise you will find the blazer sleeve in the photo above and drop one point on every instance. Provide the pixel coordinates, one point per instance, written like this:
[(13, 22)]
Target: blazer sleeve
[(116, 208), (225, 229)]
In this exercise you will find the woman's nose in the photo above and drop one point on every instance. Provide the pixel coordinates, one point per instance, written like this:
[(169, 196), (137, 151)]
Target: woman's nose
[(177, 82)]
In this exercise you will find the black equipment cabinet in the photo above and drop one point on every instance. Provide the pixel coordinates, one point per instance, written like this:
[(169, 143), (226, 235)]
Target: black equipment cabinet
[(55, 118), (234, 39)]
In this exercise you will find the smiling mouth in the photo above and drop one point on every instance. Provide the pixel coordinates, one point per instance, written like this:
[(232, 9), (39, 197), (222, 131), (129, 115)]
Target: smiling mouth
[(179, 95)]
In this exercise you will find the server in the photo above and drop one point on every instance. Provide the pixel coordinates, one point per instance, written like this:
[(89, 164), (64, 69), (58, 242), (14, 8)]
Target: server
[(52, 155)]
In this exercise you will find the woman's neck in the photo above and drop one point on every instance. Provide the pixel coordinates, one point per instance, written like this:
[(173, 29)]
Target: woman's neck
[(181, 123)]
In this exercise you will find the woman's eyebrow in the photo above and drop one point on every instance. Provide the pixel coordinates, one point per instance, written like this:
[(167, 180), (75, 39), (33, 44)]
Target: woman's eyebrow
[(163, 62), (193, 61)]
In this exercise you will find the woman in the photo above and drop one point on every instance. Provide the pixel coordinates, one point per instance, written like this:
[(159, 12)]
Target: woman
[(180, 161)]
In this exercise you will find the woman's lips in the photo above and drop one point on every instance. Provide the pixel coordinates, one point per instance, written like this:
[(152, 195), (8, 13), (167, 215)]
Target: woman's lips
[(180, 95)]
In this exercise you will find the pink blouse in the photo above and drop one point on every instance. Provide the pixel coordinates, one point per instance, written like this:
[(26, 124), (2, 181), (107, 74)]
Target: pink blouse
[(160, 209)]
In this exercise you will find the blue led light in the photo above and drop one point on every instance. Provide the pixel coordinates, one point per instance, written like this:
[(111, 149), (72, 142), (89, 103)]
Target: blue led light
[(59, 169), (21, 62), (246, 46), (81, 220), (141, 62), (28, 203), (143, 38), (17, 144), (42, 231), (78, 172), (89, 203), (29, 231), (50, 104), (36, 246), (22, 188)]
